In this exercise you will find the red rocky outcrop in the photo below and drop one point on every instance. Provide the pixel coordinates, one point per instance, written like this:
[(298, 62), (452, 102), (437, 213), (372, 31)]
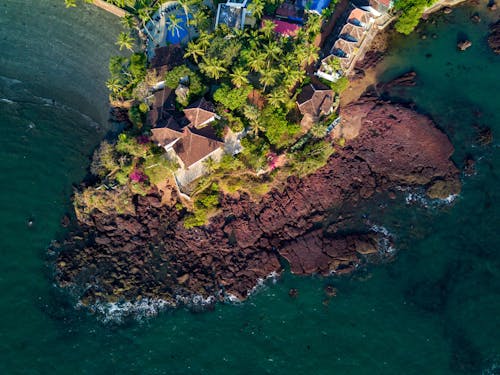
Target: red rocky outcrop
[(152, 255)]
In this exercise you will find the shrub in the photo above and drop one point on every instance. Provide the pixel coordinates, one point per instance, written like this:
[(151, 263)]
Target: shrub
[(195, 84), (340, 85), (312, 157), (116, 201), (130, 145), (232, 98), (157, 167), (104, 160)]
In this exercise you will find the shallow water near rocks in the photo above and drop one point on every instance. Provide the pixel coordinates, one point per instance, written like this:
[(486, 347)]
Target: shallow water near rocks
[(432, 310)]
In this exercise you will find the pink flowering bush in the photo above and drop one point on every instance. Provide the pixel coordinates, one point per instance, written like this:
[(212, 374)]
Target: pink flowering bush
[(138, 176), (272, 158)]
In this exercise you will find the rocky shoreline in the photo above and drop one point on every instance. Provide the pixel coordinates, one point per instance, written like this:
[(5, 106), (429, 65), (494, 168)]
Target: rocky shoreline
[(151, 256)]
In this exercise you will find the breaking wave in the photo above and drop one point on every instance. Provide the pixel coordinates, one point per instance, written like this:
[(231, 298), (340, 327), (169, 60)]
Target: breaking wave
[(384, 243)]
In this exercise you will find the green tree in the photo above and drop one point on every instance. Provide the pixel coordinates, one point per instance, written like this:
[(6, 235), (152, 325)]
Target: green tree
[(239, 76), (70, 3), (212, 67), (174, 25), (268, 78), (256, 8), (232, 98), (125, 41), (194, 50)]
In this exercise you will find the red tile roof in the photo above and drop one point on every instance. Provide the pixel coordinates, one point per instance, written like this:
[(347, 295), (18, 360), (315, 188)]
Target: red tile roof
[(199, 112), (194, 147)]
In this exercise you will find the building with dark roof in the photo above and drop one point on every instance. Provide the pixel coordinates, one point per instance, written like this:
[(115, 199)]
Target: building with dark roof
[(166, 58), (315, 100)]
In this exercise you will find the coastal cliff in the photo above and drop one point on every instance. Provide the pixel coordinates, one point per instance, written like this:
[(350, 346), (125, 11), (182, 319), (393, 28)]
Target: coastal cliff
[(151, 255)]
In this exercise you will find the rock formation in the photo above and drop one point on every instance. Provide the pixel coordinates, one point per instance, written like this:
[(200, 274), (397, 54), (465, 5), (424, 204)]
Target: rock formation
[(494, 37), (151, 254)]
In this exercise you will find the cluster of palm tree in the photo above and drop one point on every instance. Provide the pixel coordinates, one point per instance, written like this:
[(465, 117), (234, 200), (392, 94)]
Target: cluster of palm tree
[(262, 59)]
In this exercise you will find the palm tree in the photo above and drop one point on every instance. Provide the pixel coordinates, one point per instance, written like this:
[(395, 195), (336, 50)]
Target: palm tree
[(204, 40), (239, 76), (200, 19), (114, 85), (70, 3), (128, 22), (267, 28), (277, 97), (125, 41), (313, 24), (143, 15), (251, 112), (194, 50), (256, 8), (292, 77), (272, 51), (268, 78), (306, 54), (212, 67), (174, 24), (256, 60)]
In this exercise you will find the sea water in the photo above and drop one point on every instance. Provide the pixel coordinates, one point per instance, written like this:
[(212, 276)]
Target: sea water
[(432, 310)]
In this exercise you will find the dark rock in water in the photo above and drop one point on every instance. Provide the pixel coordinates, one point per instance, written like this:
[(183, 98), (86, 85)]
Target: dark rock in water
[(494, 37), (492, 6), (447, 10), (66, 221), (330, 291), (464, 44), (293, 293), (475, 18), (151, 254), (469, 166), (484, 135), (405, 80)]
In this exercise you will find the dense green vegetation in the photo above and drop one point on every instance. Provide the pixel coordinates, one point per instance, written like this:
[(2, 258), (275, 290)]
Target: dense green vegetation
[(131, 165), (410, 13), (253, 76)]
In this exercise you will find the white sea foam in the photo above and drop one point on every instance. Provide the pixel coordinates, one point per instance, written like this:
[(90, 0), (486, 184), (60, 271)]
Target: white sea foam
[(384, 243), (261, 282), (8, 101), (117, 312), (422, 199)]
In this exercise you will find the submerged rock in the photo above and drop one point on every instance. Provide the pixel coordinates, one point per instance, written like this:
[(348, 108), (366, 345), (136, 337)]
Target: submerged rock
[(494, 37)]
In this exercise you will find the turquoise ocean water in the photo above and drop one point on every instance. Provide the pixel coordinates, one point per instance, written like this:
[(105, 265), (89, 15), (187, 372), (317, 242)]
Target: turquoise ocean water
[(433, 310)]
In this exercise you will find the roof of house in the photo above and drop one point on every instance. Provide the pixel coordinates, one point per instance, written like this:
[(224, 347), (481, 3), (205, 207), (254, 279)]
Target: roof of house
[(199, 112), (284, 28), (359, 15), (167, 58), (287, 10), (230, 15), (315, 99), (194, 146), (164, 101), (386, 3), (167, 134)]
